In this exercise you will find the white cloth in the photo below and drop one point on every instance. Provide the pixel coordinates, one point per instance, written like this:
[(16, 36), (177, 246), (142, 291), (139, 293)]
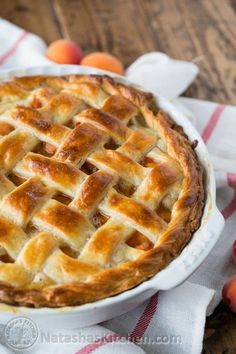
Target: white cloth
[(172, 321), (159, 73)]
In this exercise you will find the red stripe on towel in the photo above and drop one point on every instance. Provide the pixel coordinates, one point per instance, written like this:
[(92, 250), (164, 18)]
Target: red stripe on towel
[(90, 348), (12, 50), (145, 319), (212, 122)]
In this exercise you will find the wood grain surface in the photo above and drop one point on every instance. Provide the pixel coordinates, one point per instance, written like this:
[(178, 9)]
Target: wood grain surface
[(203, 31)]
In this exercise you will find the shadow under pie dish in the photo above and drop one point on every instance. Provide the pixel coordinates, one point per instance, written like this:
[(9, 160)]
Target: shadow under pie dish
[(100, 189)]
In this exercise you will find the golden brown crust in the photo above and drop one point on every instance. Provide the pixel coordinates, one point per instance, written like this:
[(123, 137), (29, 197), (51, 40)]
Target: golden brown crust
[(152, 155), (80, 143)]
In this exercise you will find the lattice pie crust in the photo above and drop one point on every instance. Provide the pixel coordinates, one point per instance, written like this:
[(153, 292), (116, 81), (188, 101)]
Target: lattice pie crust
[(99, 189)]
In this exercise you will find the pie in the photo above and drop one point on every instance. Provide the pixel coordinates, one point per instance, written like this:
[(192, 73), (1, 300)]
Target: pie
[(99, 189)]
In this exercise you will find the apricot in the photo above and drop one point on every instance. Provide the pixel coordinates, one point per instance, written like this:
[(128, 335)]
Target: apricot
[(105, 61), (234, 252), (63, 51), (229, 293)]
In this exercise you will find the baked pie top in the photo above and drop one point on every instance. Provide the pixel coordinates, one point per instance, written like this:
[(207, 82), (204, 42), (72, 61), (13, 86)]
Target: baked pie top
[(99, 189)]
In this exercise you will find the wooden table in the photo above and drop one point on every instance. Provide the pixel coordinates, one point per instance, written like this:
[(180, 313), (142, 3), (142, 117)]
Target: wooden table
[(200, 30)]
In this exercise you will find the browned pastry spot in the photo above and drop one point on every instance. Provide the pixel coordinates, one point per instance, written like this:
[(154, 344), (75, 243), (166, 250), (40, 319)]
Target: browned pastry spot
[(138, 240), (164, 213), (88, 168), (5, 128), (17, 180), (62, 198)]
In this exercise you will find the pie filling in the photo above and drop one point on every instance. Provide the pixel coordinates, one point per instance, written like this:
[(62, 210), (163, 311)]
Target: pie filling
[(98, 189)]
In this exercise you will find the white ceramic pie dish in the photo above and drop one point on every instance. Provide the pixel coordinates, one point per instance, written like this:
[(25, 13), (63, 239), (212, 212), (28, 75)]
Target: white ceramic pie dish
[(175, 273)]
